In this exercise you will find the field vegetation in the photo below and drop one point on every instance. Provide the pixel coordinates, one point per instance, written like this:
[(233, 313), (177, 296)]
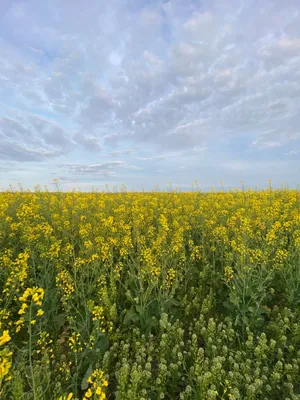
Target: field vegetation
[(147, 296)]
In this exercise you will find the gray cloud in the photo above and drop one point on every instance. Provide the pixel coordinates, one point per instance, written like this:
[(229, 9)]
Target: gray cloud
[(113, 139), (20, 152), (31, 139), (89, 143), (99, 170), (97, 110)]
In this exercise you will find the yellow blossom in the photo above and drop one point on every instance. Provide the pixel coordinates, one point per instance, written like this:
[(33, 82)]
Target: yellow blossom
[(4, 338)]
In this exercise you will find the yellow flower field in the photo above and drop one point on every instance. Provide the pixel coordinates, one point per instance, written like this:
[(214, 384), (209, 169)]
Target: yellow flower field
[(141, 296)]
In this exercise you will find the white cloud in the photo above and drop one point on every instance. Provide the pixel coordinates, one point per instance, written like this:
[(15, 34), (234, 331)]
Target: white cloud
[(171, 80), (292, 153), (124, 152)]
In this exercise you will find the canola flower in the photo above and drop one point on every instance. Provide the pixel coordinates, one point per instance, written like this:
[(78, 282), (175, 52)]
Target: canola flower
[(97, 386), (5, 365), (66, 397), (32, 297), (4, 338)]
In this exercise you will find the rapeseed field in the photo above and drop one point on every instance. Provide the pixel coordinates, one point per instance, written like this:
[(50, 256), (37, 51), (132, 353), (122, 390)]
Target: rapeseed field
[(147, 296)]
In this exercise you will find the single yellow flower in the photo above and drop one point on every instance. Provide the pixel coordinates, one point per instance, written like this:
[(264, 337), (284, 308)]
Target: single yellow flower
[(88, 393), (4, 338), (35, 297), (98, 390)]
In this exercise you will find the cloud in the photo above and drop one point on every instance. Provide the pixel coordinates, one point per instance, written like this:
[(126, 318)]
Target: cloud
[(199, 150), (21, 152), (124, 152), (262, 167), (31, 139), (104, 170), (89, 143), (292, 153), (94, 169), (169, 79), (145, 158), (112, 140)]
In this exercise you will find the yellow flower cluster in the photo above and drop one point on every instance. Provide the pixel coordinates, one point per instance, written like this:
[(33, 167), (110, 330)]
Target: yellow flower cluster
[(32, 297), (44, 344), (35, 294), (75, 343), (171, 274), (66, 397), (18, 272), (65, 282), (280, 257), (5, 365), (228, 273), (5, 357), (97, 387)]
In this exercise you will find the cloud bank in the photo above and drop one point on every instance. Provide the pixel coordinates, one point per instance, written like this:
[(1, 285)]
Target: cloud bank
[(174, 90)]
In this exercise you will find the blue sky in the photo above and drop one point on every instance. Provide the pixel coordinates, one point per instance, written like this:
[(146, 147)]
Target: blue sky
[(141, 93)]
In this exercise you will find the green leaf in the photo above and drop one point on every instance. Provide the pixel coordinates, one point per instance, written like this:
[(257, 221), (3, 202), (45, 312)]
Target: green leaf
[(140, 310), (59, 320), (262, 310), (237, 320), (173, 302), (233, 299), (228, 305), (130, 316), (260, 320), (244, 308), (103, 343), (84, 383), (129, 296)]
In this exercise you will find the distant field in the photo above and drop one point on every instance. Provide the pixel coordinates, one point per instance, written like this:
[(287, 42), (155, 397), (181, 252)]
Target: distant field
[(150, 296)]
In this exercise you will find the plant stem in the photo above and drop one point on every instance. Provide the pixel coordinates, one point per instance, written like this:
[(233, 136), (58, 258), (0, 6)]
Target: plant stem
[(30, 354)]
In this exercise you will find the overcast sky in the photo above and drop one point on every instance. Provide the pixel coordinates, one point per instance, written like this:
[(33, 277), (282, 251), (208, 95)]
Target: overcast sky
[(143, 92)]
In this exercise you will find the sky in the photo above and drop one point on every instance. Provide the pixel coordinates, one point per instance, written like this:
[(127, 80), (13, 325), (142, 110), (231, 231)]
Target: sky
[(146, 92)]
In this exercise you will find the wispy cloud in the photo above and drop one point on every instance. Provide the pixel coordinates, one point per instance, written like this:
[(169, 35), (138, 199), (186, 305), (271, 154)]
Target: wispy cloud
[(104, 170), (166, 82)]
